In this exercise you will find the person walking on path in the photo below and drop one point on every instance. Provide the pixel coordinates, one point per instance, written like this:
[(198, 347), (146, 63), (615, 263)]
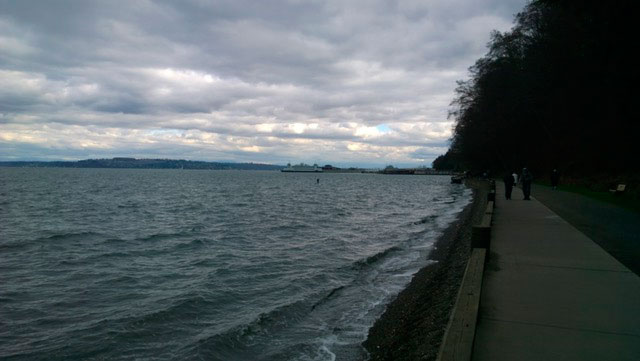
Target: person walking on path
[(555, 177), (515, 178), (508, 185), (526, 179)]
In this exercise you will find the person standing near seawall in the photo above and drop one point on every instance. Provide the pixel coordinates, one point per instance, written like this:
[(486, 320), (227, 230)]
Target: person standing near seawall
[(526, 179), (555, 177), (508, 185)]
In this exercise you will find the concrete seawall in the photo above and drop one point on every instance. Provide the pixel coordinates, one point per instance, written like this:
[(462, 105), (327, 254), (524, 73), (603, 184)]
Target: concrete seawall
[(457, 343)]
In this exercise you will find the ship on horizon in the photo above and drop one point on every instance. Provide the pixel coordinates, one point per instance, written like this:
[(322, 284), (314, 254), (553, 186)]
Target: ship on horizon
[(302, 168)]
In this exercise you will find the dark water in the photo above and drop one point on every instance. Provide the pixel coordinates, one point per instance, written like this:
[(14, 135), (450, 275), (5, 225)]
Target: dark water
[(211, 265)]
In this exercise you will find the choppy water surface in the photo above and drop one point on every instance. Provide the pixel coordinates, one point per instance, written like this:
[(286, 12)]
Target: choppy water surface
[(213, 265)]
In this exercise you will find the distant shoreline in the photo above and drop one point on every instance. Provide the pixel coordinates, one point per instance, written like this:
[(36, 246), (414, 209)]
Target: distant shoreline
[(132, 163)]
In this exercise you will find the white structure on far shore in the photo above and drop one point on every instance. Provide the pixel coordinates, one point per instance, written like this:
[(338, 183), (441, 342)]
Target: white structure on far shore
[(305, 168)]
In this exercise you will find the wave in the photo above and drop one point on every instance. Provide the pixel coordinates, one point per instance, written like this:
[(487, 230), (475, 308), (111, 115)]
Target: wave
[(240, 339), (289, 227), (58, 237), (180, 310), (191, 244), (15, 246), (375, 258), (115, 248), (327, 297), (70, 236), (114, 241), (443, 200), (426, 219), (160, 236), (129, 205)]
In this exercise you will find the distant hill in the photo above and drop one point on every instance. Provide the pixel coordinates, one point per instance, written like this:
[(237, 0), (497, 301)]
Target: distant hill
[(143, 164)]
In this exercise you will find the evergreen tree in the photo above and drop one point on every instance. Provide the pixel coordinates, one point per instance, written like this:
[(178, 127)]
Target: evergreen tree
[(556, 91)]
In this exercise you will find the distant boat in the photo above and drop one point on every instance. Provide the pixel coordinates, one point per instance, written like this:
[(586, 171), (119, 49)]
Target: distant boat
[(302, 168), (456, 179)]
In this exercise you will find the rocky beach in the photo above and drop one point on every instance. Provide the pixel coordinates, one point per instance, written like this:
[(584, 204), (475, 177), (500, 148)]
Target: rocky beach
[(413, 325)]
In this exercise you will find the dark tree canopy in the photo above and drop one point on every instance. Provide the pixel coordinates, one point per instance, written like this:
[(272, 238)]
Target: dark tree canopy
[(445, 162), (556, 91)]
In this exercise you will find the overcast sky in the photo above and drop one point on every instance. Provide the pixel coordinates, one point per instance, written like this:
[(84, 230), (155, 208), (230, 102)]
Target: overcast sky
[(361, 83)]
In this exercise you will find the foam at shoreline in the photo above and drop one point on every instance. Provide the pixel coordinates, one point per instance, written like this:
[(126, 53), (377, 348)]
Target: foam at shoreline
[(413, 325)]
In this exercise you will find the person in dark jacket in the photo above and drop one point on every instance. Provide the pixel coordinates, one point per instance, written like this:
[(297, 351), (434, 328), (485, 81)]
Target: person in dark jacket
[(526, 179), (508, 185), (555, 177)]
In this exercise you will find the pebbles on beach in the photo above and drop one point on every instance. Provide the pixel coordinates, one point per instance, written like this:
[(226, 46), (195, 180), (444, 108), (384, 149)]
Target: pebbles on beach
[(413, 325)]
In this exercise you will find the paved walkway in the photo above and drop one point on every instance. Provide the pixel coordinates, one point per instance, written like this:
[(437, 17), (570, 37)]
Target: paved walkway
[(550, 293)]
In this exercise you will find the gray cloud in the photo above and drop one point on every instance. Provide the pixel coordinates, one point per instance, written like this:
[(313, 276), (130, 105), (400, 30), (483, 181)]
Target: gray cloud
[(359, 82)]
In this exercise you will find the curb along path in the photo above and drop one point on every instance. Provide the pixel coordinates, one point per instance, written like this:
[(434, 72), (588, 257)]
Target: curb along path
[(550, 293)]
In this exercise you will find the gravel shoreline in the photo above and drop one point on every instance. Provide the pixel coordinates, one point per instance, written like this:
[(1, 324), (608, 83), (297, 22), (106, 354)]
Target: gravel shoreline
[(413, 325)]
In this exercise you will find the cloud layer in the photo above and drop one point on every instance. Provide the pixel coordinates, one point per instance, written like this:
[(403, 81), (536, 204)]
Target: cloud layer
[(346, 82)]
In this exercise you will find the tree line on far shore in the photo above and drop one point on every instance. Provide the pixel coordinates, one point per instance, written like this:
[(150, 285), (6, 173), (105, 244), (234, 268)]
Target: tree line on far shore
[(121, 162), (559, 90)]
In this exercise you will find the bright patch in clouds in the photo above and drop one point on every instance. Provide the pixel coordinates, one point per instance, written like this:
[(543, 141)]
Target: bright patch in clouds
[(340, 82)]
